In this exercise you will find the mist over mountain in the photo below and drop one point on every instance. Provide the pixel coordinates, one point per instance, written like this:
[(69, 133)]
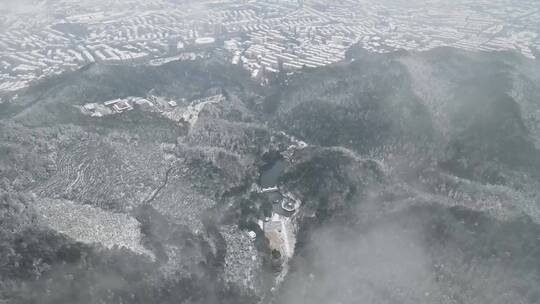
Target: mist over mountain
[(417, 174)]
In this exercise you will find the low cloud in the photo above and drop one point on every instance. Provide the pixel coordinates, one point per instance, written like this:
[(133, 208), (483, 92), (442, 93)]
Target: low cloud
[(382, 264)]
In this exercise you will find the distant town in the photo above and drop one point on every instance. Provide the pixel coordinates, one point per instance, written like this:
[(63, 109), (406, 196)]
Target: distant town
[(263, 36)]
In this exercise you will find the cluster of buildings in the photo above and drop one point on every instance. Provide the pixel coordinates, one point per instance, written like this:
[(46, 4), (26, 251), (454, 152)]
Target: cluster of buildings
[(264, 36), (182, 112), (280, 227), (115, 106)]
